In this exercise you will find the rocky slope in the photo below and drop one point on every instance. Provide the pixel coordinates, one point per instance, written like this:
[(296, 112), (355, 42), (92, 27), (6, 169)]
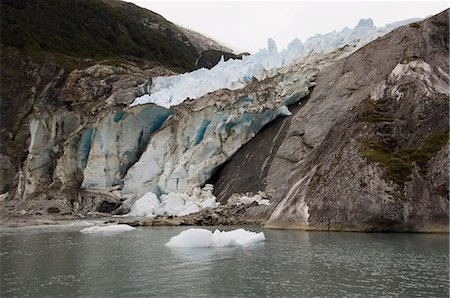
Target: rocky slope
[(369, 149)]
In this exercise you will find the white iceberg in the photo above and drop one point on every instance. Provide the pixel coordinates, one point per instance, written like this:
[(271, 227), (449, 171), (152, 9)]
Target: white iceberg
[(205, 238), (108, 229)]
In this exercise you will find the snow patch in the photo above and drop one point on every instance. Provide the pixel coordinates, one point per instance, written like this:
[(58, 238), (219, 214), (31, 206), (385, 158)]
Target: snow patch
[(205, 238), (108, 229)]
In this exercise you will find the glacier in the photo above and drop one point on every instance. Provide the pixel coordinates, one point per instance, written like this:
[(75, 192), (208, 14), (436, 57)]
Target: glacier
[(235, 74), (151, 149), (154, 156), (206, 238)]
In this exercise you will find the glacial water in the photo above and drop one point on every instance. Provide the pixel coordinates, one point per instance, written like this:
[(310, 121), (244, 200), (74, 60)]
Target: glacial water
[(62, 262)]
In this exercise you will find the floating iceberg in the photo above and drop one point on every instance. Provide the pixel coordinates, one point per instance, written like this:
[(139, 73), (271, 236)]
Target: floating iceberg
[(178, 204), (205, 238), (235, 74), (108, 229)]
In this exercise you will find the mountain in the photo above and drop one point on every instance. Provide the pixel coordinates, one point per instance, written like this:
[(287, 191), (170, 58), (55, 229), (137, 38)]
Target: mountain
[(210, 50), (95, 30), (203, 43), (329, 134)]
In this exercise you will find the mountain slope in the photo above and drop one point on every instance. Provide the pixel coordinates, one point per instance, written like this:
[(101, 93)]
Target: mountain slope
[(368, 150), (203, 43), (95, 30)]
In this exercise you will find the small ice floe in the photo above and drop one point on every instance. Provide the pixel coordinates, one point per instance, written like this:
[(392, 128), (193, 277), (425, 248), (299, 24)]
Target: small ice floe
[(206, 238), (108, 229)]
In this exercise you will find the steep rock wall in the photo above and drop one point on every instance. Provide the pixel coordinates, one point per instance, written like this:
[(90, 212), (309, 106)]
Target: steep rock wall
[(370, 163), (363, 152)]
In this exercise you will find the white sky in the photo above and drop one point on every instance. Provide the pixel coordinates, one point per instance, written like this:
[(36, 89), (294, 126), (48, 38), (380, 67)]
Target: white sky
[(245, 26)]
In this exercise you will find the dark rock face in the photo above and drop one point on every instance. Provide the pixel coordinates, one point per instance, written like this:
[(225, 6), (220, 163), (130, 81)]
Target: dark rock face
[(107, 207), (368, 151), (252, 162)]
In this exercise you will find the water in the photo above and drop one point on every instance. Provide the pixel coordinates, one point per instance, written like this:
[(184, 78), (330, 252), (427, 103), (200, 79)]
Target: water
[(66, 263)]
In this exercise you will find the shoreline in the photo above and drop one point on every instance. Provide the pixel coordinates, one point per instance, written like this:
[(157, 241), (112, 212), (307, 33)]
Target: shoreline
[(195, 220)]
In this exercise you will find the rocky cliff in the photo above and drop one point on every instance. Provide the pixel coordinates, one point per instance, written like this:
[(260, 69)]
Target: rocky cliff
[(368, 150)]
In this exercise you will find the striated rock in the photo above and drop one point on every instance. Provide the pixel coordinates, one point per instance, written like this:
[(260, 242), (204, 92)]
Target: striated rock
[(370, 173), (363, 152)]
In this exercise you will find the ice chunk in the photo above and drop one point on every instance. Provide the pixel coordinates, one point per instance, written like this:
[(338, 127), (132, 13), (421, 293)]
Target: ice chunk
[(146, 206), (108, 229), (284, 111), (247, 199), (178, 204), (205, 238), (239, 237), (192, 238)]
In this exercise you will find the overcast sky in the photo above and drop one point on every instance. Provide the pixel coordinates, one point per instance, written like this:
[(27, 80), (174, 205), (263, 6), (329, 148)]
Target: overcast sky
[(245, 26)]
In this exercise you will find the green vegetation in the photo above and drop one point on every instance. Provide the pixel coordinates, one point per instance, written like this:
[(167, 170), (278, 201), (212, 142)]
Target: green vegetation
[(209, 58), (428, 149), (374, 114), (93, 29), (398, 170), (415, 25), (399, 164)]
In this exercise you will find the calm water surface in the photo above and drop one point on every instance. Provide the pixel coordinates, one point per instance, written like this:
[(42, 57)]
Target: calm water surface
[(66, 263)]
